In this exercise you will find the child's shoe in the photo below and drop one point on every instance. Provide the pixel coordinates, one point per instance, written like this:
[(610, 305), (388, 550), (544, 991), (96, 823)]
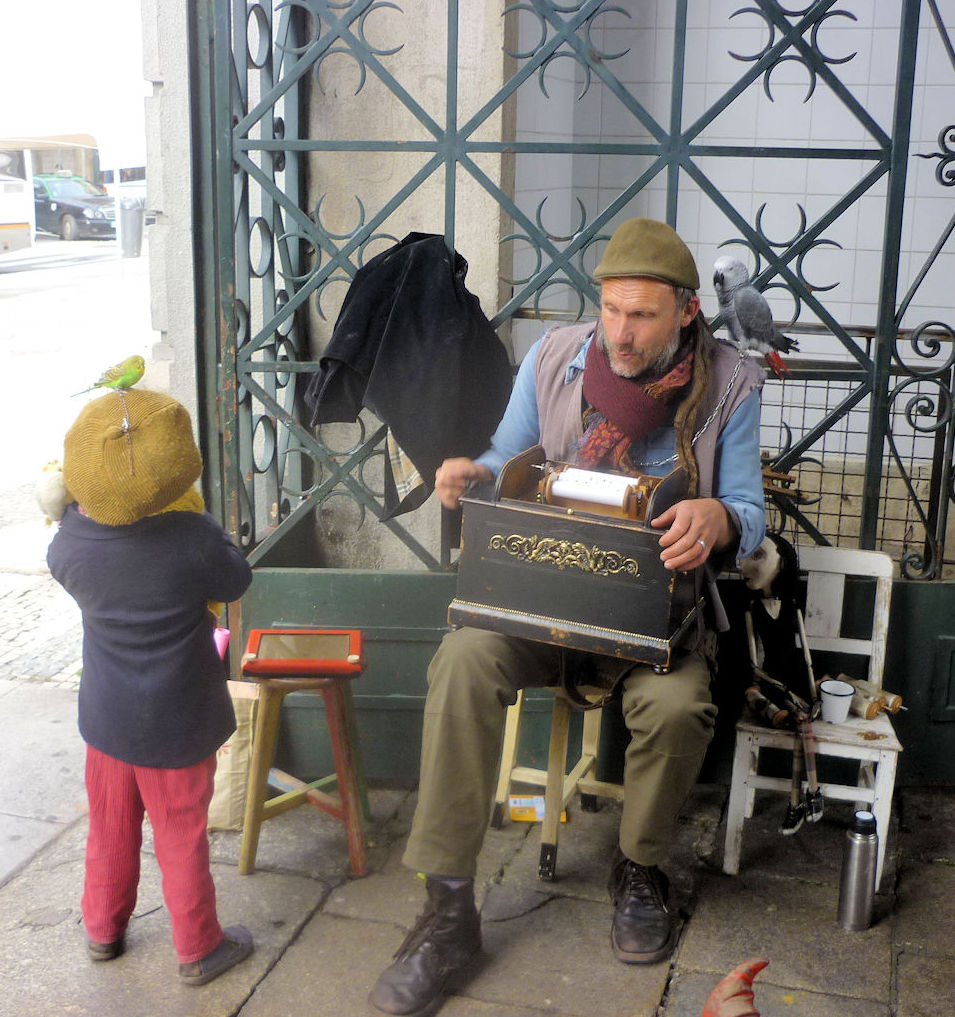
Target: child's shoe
[(104, 951), (815, 806), (795, 814), (236, 945)]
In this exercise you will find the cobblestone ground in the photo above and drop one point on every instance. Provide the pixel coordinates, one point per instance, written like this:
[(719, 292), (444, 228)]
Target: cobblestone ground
[(43, 634)]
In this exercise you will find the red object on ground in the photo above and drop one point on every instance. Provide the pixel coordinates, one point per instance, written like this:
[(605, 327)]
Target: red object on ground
[(733, 997)]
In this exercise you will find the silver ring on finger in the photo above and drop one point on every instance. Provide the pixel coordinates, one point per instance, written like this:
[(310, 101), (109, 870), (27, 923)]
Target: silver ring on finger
[(701, 542)]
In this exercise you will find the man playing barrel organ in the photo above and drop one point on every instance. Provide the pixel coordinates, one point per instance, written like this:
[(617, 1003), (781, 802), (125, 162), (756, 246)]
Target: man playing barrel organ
[(645, 389)]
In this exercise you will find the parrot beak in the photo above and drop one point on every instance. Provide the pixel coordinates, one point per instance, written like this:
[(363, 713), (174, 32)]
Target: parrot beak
[(717, 278)]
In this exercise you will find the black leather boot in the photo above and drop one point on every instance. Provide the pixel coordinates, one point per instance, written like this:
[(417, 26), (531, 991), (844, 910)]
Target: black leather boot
[(446, 938), (644, 930)]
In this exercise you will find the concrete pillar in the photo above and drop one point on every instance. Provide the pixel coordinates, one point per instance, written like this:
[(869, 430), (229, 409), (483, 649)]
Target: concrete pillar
[(343, 106), (169, 193)]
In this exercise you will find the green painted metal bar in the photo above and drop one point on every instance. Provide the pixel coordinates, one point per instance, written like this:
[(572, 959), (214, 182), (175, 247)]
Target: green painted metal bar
[(778, 262), (339, 474), (676, 114), (225, 266), (338, 255), (291, 470), (536, 63), (203, 166), (452, 145), (795, 37), (807, 441), (886, 318), (294, 73), (560, 148)]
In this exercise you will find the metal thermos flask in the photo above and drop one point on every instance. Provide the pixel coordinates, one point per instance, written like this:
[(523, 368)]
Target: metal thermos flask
[(857, 883)]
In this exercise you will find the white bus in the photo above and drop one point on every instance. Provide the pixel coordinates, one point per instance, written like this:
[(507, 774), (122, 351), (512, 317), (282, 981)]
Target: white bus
[(17, 216)]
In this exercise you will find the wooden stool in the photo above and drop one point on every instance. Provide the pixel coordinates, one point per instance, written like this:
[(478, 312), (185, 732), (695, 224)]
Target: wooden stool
[(349, 802), (559, 786)]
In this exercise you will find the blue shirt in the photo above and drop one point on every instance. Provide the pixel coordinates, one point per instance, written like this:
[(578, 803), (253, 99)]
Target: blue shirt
[(738, 477)]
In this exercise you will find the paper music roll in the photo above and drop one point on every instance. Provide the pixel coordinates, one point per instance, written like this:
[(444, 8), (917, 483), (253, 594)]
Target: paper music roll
[(586, 486)]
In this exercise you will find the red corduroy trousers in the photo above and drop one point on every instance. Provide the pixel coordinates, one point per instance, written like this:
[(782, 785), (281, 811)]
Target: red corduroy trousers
[(177, 803)]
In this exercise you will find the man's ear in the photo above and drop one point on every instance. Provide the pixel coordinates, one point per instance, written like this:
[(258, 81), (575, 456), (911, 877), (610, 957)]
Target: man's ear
[(690, 311)]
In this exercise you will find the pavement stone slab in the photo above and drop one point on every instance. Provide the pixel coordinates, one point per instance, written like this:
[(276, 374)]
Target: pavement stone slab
[(44, 958), (926, 985), (924, 913), (585, 845), (327, 972), (814, 853), (927, 824), (308, 841), (42, 758), (41, 753), (20, 840), (558, 958), (793, 923), (688, 993), (45, 633)]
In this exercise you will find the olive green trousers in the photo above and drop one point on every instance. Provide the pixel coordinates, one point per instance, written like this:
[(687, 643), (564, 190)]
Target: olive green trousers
[(475, 675)]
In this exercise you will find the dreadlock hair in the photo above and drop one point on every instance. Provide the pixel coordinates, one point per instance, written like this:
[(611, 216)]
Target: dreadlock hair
[(697, 332)]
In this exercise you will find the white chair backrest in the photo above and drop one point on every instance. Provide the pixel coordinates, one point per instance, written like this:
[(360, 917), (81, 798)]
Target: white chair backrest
[(827, 569)]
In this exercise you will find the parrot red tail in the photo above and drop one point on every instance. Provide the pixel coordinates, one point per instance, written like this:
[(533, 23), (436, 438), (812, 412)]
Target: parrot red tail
[(775, 361), (733, 996)]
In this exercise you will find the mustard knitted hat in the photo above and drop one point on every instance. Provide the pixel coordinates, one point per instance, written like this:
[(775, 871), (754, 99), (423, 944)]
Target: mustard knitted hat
[(130, 454), (647, 247)]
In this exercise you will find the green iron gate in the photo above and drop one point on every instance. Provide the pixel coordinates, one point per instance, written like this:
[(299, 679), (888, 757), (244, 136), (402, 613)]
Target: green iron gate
[(272, 268)]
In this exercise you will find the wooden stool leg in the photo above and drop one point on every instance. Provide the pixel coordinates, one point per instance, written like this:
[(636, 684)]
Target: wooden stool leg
[(359, 762), (269, 709), (589, 750), (345, 768), (512, 741), (554, 793)]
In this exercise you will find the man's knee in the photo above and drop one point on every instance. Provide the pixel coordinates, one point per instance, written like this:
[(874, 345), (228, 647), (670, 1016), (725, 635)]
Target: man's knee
[(475, 667), (676, 708)]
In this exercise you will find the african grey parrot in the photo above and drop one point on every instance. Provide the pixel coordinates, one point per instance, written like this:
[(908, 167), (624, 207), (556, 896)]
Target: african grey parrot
[(747, 315)]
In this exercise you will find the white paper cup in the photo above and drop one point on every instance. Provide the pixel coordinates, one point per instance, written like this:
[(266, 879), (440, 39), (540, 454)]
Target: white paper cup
[(836, 700)]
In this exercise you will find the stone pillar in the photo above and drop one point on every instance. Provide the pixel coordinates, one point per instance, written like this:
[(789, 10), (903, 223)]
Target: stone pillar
[(344, 106), (169, 193)]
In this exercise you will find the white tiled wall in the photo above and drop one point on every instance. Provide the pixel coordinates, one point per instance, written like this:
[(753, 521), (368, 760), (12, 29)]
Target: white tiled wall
[(865, 29)]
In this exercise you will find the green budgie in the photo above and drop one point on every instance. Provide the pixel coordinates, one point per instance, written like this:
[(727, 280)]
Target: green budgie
[(120, 376)]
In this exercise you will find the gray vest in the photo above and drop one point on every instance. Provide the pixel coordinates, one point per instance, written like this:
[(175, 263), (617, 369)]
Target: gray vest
[(560, 405)]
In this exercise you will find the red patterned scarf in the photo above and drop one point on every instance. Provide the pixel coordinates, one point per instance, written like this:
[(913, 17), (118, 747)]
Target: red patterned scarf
[(623, 410)]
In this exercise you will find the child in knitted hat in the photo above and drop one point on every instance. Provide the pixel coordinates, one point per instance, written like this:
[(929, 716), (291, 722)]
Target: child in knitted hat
[(142, 559)]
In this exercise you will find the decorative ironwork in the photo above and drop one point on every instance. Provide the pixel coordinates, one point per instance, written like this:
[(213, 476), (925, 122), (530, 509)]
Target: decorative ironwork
[(944, 170), (564, 554), (270, 256), (811, 58)]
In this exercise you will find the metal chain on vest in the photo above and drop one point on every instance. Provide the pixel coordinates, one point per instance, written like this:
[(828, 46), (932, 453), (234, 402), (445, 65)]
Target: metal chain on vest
[(709, 420)]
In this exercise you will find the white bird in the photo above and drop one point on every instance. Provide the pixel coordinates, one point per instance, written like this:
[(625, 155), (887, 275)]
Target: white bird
[(51, 493), (747, 315)]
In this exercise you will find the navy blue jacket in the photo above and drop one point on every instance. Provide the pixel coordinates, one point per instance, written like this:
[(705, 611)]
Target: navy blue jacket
[(153, 690)]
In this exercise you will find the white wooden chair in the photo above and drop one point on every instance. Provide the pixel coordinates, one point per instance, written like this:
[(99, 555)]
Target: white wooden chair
[(872, 743), (559, 786)]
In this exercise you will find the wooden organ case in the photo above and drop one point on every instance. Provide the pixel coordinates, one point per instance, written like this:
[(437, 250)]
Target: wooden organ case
[(566, 556)]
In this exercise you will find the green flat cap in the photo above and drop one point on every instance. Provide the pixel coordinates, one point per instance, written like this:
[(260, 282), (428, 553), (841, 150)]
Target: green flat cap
[(650, 248)]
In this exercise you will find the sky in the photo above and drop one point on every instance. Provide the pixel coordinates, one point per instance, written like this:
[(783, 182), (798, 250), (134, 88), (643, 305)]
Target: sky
[(66, 72)]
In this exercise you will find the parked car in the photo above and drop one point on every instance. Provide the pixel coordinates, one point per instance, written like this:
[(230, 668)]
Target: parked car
[(72, 207)]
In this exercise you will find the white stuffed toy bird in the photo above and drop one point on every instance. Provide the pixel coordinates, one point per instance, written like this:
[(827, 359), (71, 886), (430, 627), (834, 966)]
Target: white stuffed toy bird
[(51, 493)]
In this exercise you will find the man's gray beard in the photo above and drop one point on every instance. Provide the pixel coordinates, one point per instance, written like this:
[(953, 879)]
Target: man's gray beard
[(659, 367)]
